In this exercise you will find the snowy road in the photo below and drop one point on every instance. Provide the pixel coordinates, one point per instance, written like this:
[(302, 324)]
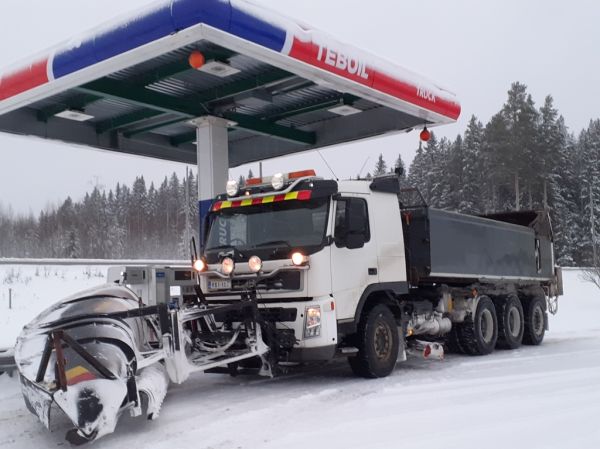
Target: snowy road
[(542, 397)]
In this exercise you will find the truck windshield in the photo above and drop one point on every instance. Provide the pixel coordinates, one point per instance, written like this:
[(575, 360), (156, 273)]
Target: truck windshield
[(290, 224)]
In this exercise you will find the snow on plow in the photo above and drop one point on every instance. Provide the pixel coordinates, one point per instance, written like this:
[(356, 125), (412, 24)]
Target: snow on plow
[(101, 353)]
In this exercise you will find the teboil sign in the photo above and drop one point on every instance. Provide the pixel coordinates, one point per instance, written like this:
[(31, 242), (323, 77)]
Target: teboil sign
[(338, 61), (353, 65)]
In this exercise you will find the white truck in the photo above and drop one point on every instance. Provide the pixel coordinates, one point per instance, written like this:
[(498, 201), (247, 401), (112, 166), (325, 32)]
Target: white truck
[(293, 268), (364, 269)]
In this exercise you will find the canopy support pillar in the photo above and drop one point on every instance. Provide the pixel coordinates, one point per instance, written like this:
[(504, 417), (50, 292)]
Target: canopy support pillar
[(213, 163)]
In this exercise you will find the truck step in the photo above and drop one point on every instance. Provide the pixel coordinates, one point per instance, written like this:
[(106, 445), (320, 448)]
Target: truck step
[(347, 351)]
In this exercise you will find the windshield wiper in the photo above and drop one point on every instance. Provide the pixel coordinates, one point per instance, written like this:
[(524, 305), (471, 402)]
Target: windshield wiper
[(274, 243), (215, 248)]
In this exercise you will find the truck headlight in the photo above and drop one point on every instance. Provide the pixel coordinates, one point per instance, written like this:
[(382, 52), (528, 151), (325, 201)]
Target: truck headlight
[(200, 265), (255, 264), (312, 322), (227, 266), (299, 259)]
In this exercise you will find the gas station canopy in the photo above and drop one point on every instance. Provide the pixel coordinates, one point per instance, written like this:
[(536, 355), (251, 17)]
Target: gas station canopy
[(136, 86)]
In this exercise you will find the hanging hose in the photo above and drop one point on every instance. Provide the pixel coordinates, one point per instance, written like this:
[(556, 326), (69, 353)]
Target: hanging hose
[(203, 346)]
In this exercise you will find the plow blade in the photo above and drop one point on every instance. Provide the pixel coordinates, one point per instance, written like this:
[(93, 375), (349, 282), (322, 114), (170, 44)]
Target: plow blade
[(101, 353)]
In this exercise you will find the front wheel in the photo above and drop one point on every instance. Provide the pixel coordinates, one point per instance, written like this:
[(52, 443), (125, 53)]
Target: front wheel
[(378, 344)]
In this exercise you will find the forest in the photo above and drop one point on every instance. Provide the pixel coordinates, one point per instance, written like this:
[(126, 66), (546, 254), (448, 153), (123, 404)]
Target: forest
[(523, 158)]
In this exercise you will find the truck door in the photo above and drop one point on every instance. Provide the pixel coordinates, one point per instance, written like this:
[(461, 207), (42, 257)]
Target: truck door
[(353, 254)]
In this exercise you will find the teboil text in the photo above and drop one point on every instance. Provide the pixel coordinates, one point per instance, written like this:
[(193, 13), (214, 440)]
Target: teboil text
[(341, 61)]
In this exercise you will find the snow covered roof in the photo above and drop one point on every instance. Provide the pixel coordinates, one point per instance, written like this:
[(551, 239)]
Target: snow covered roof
[(129, 87)]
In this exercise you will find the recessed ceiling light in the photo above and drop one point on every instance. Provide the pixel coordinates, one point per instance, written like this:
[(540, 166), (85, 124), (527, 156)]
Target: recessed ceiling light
[(218, 68), (77, 116), (345, 110)]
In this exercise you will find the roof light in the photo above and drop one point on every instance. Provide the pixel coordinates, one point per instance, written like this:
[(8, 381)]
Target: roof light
[(254, 181), (72, 114), (233, 188), (345, 110), (196, 60), (220, 69), (302, 174), (425, 135), (278, 181)]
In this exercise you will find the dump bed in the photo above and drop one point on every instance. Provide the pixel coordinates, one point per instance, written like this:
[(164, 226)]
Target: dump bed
[(441, 245)]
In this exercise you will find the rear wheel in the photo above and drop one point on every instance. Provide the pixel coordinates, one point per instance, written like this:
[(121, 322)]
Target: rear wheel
[(478, 334), (535, 320), (378, 344), (511, 322)]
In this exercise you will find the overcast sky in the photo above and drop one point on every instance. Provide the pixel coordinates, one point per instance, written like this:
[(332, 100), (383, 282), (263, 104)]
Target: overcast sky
[(475, 48)]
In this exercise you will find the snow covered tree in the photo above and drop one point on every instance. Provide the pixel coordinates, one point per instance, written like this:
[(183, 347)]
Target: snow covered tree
[(470, 198), (440, 193), (380, 166), (399, 164), (418, 172)]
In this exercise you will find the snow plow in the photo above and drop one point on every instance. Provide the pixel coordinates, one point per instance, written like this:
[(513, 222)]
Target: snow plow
[(101, 353)]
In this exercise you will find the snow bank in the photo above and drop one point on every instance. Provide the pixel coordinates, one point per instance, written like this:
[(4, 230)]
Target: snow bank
[(35, 288)]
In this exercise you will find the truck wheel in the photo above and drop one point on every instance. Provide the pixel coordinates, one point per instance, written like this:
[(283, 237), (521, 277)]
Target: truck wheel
[(478, 334), (378, 344), (453, 342), (511, 322), (535, 321)]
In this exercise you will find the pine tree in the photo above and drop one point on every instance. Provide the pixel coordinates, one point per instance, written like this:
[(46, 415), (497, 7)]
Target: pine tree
[(417, 175), (470, 195), (523, 150), (400, 166), (440, 193), (380, 167)]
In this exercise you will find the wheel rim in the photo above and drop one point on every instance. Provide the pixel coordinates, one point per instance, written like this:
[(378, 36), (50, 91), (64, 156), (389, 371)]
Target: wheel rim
[(383, 341), (486, 326), (514, 321), (538, 320)]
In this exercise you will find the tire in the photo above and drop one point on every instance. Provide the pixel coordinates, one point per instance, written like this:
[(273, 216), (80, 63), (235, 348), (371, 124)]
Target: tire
[(378, 344), (511, 322), (453, 343), (478, 334), (535, 320)]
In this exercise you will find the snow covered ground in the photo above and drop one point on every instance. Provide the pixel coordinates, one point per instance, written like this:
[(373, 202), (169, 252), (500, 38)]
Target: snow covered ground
[(542, 397)]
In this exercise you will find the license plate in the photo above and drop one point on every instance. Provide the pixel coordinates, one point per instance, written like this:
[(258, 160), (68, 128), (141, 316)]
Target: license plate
[(219, 284)]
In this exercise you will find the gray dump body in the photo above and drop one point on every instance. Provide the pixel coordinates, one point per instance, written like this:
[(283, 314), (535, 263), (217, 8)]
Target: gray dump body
[(446, 245)]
